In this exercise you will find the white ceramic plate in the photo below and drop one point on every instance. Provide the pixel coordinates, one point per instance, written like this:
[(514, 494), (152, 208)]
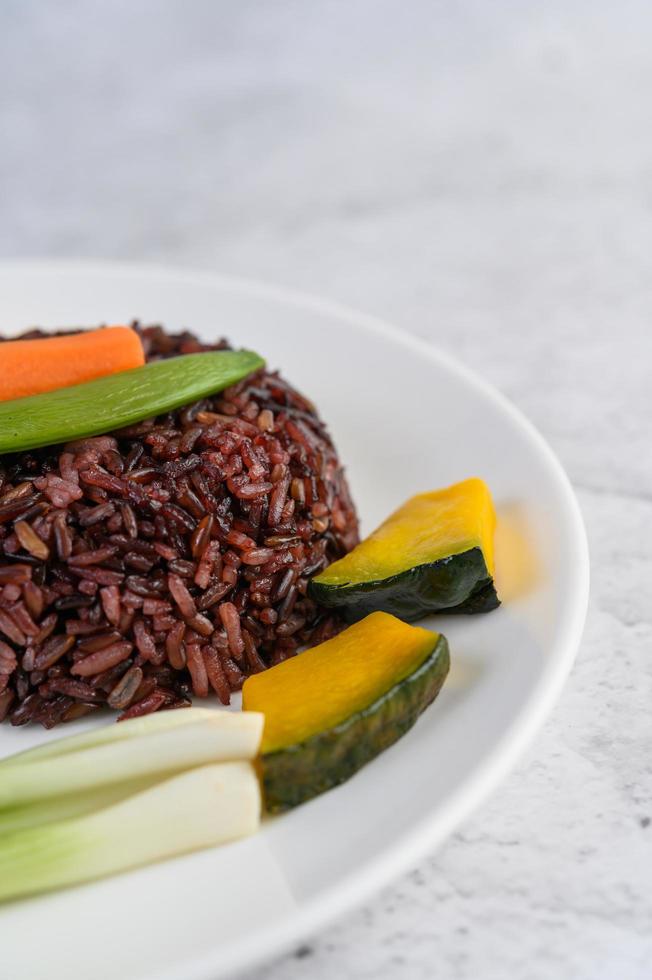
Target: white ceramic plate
[(405, 418)]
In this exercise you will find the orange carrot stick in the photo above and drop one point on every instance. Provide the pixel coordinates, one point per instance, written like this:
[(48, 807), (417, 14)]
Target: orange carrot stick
[(30, 367)]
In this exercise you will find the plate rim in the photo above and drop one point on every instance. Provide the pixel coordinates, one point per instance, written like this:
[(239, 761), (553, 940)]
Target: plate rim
[(427, 834)]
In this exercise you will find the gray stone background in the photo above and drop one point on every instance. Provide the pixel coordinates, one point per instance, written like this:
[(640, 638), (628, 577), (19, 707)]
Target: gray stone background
[(480, 173)]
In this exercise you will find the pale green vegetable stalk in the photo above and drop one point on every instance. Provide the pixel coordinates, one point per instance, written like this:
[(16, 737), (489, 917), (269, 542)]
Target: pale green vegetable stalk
[(133, 728), (55, 808), (201, 808), (221, 737)]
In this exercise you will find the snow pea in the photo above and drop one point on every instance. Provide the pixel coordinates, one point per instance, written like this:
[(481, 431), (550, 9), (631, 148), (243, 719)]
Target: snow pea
[(119, 400)]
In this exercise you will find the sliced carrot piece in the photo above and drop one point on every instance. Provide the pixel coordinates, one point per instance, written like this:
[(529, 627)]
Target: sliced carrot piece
[(31, 367)]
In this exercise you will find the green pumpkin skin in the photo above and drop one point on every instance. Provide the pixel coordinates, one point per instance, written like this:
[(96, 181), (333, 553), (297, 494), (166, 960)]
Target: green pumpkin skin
[(456, 584), (298, 773)]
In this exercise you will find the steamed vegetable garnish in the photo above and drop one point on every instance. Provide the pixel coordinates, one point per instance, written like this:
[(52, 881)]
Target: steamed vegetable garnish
[(336, 706), (163, 721), (31, 367), (199, 808), (435, 553), (119, 400), (124, 795), (55, 808), (222, 737)]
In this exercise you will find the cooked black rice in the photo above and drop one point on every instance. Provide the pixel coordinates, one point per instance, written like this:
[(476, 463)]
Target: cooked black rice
[(169, 559)]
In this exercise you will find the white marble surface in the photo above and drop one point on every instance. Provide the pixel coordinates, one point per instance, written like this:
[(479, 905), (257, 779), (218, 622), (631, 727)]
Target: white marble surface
[(482, 175)]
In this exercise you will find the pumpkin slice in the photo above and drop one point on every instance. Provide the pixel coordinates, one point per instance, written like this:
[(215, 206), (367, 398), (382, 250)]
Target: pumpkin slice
[(434, 553), (333, 708)]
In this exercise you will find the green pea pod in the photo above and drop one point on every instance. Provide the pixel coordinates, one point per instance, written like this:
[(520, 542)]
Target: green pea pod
[(119, 399)]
